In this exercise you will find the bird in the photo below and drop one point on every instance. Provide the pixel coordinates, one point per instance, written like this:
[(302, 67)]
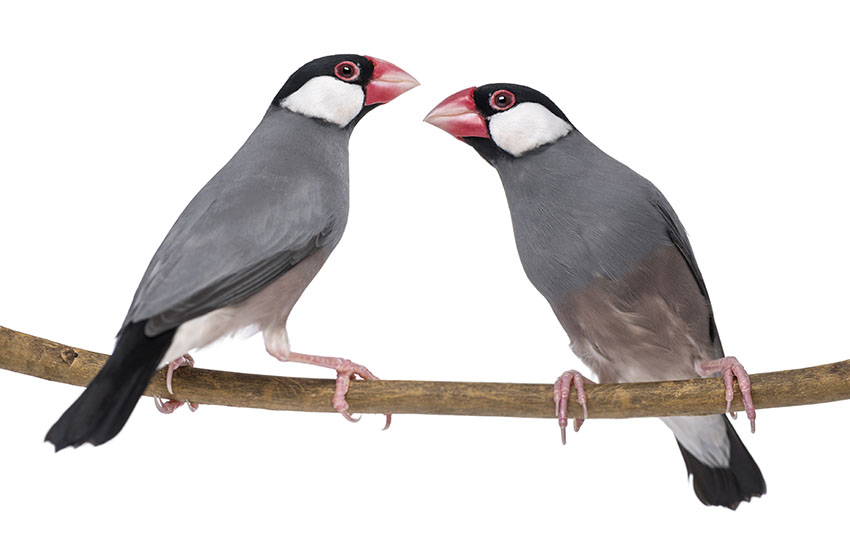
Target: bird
[(247, 245), (605, 248)]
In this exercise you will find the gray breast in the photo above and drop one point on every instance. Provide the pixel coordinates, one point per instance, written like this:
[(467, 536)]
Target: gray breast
[(592, 240), (578, 215)]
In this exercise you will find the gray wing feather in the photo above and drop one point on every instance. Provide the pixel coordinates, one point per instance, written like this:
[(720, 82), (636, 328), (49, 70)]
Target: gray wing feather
[(231, 288), (677, 234), (268, 209)]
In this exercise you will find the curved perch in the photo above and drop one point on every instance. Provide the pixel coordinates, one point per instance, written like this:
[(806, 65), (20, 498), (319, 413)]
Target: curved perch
[(45, 359)]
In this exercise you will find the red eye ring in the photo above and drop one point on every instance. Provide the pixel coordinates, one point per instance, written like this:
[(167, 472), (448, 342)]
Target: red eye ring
[(502, 100), (347, 71)]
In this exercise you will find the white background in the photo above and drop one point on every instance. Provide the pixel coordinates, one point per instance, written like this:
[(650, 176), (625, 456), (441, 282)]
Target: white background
[(112, 119)]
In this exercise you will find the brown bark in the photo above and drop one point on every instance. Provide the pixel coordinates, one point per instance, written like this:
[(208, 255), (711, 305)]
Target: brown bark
[(45, 359)]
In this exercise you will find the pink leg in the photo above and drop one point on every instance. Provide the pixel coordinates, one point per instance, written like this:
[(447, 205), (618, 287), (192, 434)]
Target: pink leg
[(730, 368), (562, 398), (346, 370), (183, 361), (171, 405)]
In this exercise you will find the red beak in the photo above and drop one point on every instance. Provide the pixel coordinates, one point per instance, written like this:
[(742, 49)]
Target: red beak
[(458, 116), (388, 82)]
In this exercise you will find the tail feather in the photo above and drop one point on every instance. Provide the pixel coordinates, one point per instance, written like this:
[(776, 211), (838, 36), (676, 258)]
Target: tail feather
[(726, 487), (104, 407)]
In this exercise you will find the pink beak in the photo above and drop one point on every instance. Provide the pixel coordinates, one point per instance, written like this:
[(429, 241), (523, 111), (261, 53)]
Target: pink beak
[(458, 116), (388, 82)]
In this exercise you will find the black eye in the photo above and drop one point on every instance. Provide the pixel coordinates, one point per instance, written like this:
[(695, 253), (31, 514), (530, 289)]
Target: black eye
[(502, 100), (346, 71)]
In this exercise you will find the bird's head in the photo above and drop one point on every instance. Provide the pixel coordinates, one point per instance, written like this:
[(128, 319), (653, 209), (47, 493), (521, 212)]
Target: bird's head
[(501, 120), (340, 89)]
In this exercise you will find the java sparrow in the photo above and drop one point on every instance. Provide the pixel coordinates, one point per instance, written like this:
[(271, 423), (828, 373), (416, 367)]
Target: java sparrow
[(246, 247), (607, 251)]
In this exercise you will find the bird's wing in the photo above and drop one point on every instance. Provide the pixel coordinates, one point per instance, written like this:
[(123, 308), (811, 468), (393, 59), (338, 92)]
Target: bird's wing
[(232, 240), (677, 234)]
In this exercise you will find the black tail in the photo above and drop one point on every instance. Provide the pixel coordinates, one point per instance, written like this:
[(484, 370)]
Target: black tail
[(104, 407), (728, 487)]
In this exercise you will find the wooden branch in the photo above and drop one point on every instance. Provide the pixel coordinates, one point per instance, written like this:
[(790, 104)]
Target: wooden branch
[(45, 359)]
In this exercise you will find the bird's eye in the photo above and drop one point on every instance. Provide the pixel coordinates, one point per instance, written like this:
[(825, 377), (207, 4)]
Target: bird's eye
[(502, 100), (346, 71)]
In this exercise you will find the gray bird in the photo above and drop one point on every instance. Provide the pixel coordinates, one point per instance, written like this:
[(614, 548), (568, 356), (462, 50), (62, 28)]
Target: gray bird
[(608, 252), (246, 247)]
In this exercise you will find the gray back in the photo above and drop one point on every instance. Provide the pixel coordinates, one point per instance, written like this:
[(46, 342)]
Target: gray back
[(582, 218), (282, 195), (578, 214)]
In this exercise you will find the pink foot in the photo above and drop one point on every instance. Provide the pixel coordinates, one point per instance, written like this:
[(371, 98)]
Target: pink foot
[(562, 398), (183, 361), (171, 405), (731, 369), (346, 371)]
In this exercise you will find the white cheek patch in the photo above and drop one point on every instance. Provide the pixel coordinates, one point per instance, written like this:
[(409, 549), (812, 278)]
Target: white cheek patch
[(525, 127), (327, 98)]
